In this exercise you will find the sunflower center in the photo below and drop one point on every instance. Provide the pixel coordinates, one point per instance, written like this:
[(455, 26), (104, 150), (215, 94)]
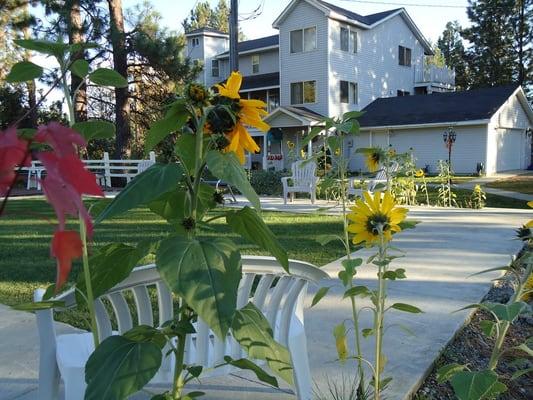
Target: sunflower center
[(375, 221)]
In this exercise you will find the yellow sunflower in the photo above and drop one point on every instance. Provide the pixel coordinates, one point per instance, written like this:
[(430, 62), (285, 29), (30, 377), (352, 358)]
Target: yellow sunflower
[(419, 173), (375, 213), (374, 157), (251, 113), (530, 223), (290, 144)]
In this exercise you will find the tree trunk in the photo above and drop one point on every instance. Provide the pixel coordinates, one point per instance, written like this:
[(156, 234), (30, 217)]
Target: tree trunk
[(75, 35), (521, 34), (120, 60), (30, 85)]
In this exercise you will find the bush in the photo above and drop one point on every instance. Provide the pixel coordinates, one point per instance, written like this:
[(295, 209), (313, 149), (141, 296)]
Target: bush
[(267, 183)]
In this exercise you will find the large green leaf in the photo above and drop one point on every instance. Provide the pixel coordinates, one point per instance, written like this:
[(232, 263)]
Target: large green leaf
[(185, 150), (120, 367), (247, 223), (253, 332), (110, 266), (56, 49), (506, 312), (406, 308), (24, 71), (206, 273), (95, 129), (227, 167), (108, 77), (174, 119), (144, 188), (474, 385), (243, 363), (80, 68)]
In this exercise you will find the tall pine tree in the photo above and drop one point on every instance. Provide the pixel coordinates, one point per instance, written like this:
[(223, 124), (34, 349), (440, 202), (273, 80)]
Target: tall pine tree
[(451, 46)]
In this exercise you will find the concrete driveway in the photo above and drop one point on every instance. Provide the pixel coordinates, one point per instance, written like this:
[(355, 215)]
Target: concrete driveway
[(446, 247)]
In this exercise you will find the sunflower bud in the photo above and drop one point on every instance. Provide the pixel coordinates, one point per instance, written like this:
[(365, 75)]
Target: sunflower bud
[(197, 94), (188, 223), (218, 197)]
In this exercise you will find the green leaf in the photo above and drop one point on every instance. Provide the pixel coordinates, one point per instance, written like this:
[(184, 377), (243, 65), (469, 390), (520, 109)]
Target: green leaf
[(253, 332), (245, 364), (349, 272), (352, 263), (164, 127), (195, 370), (319, 295), (481, 385), (352, 115), (24, 71), (227, 167), (406, 307), (107, 77), (341, 341), (56, 49), (488, 327), (525, 348), (80, 68), (146, 333), (206, 273), (315, 131), (445, 373), (95, 129), (506, 312), (146, 187), (367, 332), (39, 305), (110, 266), (407, 224), (325, 239), (521, 372), (120, 367), (185, 150), (356, 291), (247, 223)]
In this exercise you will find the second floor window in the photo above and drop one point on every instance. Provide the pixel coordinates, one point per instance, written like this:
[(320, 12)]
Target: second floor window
[(303, 92), (402, 93), (348, 92), (255, 64), (348, 40), (404, 56), (195, 42), (303, 40), (215, 69)]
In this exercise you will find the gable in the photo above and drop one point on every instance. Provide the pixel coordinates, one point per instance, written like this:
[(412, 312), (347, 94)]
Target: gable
[(515, 112)]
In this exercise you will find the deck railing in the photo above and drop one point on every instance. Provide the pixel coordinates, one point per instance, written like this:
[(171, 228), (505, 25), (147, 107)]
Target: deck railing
[(433, 74)]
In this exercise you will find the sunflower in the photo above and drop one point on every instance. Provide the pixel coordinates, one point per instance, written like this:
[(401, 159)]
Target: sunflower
[(373, 214), (374, 157), (419, 173), (290, 145), (530, 223), (250, 113)]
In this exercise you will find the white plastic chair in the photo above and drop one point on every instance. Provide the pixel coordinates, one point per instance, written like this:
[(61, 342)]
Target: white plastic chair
[(36, 171), (279, 295), (380, 178), (303, 180)]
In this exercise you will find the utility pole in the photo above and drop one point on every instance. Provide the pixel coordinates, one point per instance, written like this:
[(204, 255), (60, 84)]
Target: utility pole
[(234, 35)]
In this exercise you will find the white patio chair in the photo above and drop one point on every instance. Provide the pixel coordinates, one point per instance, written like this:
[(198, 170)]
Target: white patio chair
[(35, 171), (379, 179), (279, 295), (144, 165), (303, 180)]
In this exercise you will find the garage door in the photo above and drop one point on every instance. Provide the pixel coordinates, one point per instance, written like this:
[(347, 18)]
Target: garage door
[(510, 150)]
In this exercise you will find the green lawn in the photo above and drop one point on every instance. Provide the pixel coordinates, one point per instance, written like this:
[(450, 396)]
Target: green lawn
[(25, 235), (463, 196), (522, 184)]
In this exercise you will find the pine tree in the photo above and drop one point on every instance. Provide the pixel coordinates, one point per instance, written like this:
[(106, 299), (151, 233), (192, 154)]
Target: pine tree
[(451, 46), (522, 21)]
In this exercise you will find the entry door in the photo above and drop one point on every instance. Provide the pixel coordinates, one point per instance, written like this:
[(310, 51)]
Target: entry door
[(510, 150)]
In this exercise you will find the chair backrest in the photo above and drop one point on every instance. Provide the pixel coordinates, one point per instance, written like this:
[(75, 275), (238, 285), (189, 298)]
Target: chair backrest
[(303, 172), (144, 165), (264, 283)]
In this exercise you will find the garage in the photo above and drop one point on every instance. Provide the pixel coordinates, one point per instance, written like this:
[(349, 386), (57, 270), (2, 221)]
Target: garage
[(510, 154)]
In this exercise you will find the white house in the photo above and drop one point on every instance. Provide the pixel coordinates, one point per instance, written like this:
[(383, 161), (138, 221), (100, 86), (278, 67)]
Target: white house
[(493, 126), (326, 60)]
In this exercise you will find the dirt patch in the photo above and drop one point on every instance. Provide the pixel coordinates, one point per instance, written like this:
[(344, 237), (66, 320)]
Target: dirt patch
[(521, 184)]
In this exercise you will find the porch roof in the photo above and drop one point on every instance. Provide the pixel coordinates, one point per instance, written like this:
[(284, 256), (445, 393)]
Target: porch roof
[(288, 116)]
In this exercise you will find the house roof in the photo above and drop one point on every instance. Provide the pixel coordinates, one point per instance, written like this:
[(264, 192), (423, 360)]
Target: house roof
[(365, 19), (206, 31), (302, 116), (436, 108), (260, 81), (254, 44)]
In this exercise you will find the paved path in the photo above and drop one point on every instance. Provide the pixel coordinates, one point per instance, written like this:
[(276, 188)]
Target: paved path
[(442, 251)]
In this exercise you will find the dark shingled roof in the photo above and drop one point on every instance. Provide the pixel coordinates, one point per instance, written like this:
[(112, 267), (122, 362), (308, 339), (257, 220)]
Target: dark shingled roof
[(247, 45), (365, 19), (259, 81), (469, 105), (205, 30)]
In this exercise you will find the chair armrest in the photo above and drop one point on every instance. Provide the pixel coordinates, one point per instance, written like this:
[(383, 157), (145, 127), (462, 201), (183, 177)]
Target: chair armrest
[(285, 181)]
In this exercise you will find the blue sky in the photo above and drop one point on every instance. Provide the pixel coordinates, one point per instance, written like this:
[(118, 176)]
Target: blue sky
[(430, 19)]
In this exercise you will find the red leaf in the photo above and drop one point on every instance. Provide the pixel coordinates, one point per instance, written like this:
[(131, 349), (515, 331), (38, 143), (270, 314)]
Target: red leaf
[(13, 152), (66, 246), (73, 171), (61, 138)]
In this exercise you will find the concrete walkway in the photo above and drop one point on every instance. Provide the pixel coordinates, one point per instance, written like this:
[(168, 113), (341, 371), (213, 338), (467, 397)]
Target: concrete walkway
[(441, 252)]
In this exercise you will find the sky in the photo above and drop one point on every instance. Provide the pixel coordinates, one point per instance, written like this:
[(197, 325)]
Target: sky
[(429, 15)]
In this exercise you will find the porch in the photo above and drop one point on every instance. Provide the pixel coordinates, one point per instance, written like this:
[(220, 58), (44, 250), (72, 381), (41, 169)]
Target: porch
[(288, 125)]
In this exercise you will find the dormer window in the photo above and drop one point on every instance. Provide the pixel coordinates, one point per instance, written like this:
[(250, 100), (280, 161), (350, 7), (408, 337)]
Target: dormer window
[(303, 40), (195, 42), (404, 56), (348, 40)]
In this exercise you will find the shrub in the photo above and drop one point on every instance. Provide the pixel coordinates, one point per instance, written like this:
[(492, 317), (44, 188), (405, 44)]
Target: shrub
[(267, 183)]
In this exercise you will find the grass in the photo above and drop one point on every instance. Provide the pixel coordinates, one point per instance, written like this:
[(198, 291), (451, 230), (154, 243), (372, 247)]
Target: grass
[(521, 184), (26, 229), (463, 197)]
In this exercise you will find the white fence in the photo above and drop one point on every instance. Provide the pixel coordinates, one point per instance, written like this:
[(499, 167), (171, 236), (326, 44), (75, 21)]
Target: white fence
[(104, 169), (433, 74)]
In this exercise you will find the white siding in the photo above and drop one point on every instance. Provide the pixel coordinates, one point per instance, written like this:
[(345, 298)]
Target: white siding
[(306, 66), (212, 47), (429, 148), (268, 63), (375, 66)]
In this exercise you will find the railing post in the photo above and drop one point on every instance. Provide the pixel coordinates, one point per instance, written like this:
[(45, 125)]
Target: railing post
[(107, 170), (152, 156)]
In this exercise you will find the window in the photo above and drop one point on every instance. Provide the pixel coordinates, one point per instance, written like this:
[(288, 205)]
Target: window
[(303, 40), (345, 42), (195, 42), (354, 93), (303, 92), (255, 64), (402, 93), (404, 56), (345, 92), (215, 70), (353, 41), (348, 92)]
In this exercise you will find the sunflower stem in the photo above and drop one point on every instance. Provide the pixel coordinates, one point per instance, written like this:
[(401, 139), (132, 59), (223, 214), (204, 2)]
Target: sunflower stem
[(379, 315)]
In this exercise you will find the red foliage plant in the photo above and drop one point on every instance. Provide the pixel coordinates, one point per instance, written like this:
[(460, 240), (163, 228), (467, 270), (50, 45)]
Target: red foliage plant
[(65, 182)]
